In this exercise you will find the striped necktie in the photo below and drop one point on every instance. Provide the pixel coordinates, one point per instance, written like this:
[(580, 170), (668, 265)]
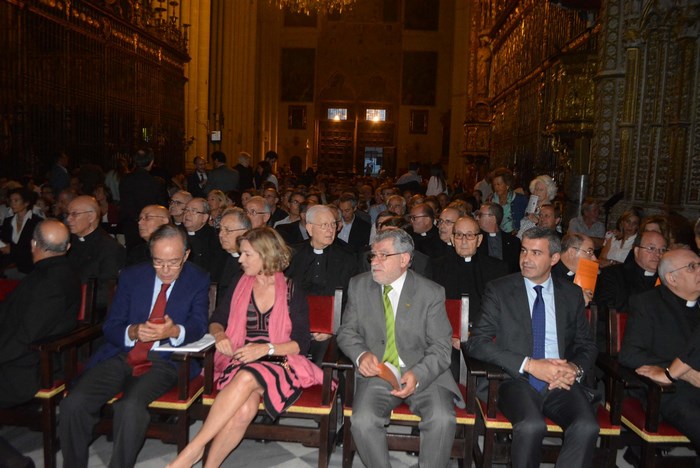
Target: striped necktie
[(391, 354)]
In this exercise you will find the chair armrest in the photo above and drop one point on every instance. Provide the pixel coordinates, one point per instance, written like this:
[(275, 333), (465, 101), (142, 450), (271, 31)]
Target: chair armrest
[(330, 359), (485, 369), (71, 339)]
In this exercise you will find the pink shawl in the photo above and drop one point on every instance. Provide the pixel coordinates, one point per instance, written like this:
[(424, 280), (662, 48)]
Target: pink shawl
[(280, 328)]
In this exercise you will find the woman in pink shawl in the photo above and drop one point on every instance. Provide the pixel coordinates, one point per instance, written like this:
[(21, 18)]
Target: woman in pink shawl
[(262, 335)]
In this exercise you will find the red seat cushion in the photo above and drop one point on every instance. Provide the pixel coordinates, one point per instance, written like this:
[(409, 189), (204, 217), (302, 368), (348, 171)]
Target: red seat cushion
[(6, 287), (634, 417)]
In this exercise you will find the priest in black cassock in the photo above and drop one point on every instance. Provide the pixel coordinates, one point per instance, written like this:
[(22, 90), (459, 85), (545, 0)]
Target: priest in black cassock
[(205, 250), (466, 269), (234, 223)]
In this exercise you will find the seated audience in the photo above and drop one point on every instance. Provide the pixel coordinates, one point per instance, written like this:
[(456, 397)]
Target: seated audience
[(662, 323), (205, 250), (544, 367), (512, 203), (618, 282), (234, 223), (16, 235), (262, 335), (166, 300), (152, 217), (498, 244), (178, 201), (618, 243), (378, 326), (45, 303), (93, 252), (588, 223)]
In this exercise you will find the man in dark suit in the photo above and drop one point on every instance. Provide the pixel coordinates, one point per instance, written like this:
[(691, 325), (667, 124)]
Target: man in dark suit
[(45, 303), (197, 181), (178, 202), (617, 283), (272, 200), (498, 244), (152, 217), (533, 326), (465, 269), (245, 173), (137, 190), (93, 252), (661, 325), (221, 177), (295, 232), (425, 234), (394, 315), (205, 250), (166, 301), (321, 265), (355, 231)]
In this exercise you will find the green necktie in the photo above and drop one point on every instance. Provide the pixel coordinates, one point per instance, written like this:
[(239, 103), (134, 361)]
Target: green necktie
[(391, 354)]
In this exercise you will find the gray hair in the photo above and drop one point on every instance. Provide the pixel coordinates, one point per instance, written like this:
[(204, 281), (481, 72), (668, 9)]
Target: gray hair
[(544, 233), (573, 239), (316, 210), (239, 216), (665, 266), (266, 206), (168, 231), (204, 202), (401, 240), (548, 183)]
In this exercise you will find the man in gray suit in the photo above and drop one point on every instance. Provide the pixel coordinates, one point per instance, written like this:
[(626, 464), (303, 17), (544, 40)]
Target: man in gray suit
[(396, 315), (534, 327)]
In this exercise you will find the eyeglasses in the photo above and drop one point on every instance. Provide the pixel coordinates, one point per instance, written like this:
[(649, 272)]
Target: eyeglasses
[(177, 202), (690, 266), (654, 250), (253, 212), (479, 214), (171, 264), (150, 217), (193, 211), (588, 252), (380, 256), (230, 231), (415, 217), (326, 226), (468, 235), (75, 214), (445, 221)]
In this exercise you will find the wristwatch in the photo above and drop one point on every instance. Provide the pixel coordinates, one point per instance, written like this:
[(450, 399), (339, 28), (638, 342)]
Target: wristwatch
[(579, 373), (271, 351)]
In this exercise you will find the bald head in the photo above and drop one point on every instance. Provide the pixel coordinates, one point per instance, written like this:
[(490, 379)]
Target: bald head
[(50, 239), (151, 218), (679, 270), (83, 215)]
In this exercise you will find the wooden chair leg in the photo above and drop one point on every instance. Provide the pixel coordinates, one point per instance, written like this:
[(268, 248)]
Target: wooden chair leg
[(487, 460), (324, 450), (48, 426), (348, 448), (647, 456), (183, 431)]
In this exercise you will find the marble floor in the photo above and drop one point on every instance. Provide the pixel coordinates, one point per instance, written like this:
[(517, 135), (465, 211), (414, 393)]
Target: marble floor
[(249, 454)]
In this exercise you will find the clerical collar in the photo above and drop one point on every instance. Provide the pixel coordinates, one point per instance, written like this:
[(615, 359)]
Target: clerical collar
[(649, 273), (191, 233), (81, 239), (570, 273), (235, 254), (691, 303), (423, 234), (492, 234), (450, 244), (318, 251), (467, 259)]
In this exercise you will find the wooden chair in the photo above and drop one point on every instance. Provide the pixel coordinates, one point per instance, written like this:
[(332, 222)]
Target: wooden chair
[(317, 403), (646, 424), (40, 413), (492, 422), (170, 413), (458, 315)]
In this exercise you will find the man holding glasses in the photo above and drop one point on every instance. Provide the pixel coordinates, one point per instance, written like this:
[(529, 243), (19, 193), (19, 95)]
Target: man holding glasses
[(163, 301)]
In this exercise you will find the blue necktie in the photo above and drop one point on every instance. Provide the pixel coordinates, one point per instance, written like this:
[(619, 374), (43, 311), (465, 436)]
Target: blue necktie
[(538, 333)]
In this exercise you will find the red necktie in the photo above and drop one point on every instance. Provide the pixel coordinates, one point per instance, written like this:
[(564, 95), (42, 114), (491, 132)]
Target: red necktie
[(138, 356)]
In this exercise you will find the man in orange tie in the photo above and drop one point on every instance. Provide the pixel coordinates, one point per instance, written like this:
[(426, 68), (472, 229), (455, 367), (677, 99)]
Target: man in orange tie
[(159, 302)]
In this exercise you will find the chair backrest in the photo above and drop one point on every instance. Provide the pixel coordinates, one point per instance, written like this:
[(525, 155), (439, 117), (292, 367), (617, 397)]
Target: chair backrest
[(6, 287), (458, 315), (592, 317), (617, 321), (324, 312), (88, 301), (213, 293)]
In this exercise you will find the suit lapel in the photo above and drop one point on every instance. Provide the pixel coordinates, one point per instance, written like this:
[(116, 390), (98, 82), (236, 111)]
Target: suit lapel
[(523, 316)]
